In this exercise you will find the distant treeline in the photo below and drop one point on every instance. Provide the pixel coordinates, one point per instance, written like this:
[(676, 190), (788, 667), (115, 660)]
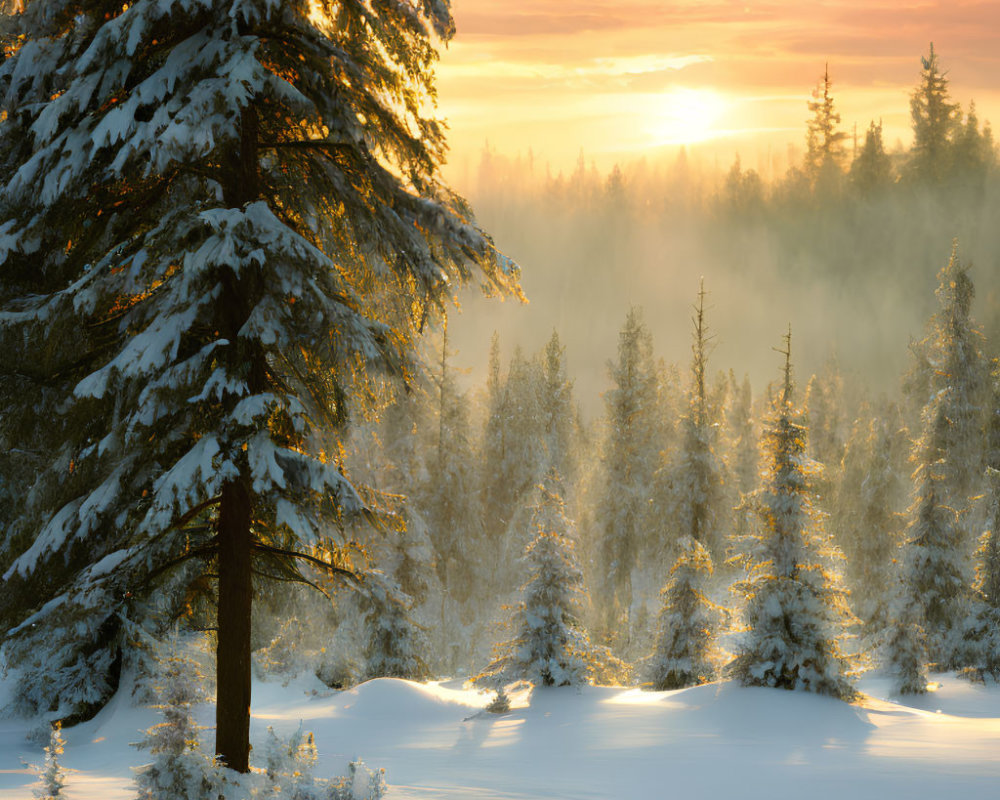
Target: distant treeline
[(854, 234)]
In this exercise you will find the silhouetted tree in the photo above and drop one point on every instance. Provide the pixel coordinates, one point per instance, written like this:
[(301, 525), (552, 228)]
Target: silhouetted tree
[(935, 119)]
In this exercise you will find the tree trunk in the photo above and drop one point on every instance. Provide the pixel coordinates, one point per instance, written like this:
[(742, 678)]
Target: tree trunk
[(232, 711)]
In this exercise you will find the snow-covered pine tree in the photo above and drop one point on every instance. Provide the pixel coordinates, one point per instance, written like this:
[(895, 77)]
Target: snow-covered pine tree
[(742, 460), (227, 217), (822, 415), (950, 457), (953, 375), (977, 642), (696, 473), (396, 646), (450, 505), (903, 651), (934, 565), (180, 769), (51, 773), (988, 555), (685, 652), (867, 521), (629, 461), (549, 646), (988, 562), (794, 614)]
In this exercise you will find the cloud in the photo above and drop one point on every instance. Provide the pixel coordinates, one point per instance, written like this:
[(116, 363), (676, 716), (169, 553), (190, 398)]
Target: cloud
[(522, 18), (605, 64)]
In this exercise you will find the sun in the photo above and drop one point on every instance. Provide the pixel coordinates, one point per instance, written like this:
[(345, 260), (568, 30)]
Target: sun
[(686, 116)]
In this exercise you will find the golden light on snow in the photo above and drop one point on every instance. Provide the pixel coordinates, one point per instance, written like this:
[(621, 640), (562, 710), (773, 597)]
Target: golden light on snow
[(687, 116)]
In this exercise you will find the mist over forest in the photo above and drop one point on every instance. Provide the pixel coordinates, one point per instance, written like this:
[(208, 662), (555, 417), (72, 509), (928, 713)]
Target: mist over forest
[(849, 260)]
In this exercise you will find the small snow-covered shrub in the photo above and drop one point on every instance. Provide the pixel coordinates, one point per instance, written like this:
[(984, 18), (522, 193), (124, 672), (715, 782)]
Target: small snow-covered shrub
[(180, 769), (289, 766), (51, 773), (360, 783), (288, 773)]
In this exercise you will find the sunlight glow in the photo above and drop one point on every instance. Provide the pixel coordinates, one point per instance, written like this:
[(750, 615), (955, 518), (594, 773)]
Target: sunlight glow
[(688, 115)]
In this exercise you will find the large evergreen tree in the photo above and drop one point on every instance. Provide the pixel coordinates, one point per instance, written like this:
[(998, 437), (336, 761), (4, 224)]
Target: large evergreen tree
[(226, 216), (950, 457), (794, 613)]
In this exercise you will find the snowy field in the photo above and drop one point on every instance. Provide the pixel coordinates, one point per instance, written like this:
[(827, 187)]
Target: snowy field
[(712, 741)]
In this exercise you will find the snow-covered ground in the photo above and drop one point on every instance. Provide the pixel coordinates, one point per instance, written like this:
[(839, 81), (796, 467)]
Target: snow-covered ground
[(712, 741)]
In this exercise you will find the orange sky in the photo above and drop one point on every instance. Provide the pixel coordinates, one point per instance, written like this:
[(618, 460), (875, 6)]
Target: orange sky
[(620, 78)]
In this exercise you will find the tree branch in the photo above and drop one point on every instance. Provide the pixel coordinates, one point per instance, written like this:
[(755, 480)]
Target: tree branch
[(317, 562)]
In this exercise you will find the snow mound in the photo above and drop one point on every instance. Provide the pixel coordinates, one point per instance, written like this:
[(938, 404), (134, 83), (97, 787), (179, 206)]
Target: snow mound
[(718, 740)]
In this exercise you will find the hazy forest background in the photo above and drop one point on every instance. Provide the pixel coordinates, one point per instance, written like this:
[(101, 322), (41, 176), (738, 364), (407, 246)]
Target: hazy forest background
[(849, 257)]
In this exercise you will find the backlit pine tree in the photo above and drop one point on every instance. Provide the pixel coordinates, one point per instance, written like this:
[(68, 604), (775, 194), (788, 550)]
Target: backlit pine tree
[(794, 615), (227, 214), (824, 142), (935, 566), (954, 413), (871, 171), (52, 773), (451, 508), (628, 463), (396, 646), (742, 457), (866, 519), (903, 651), (556, 407), (935, 119), (685, 652), (979, 646), (550, 646), (981, 635), (950, 457), (514, 458), (696, 472), (180, 769)]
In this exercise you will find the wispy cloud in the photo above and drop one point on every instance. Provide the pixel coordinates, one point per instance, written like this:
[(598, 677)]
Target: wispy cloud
[(600, 68)]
